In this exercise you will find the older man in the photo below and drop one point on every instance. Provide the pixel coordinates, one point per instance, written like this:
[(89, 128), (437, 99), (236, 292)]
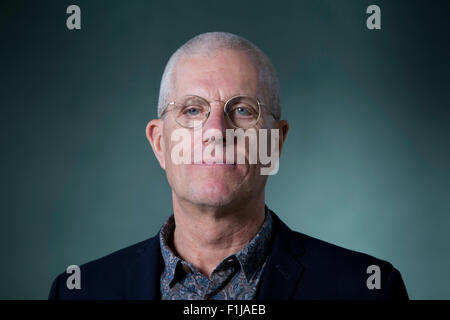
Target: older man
[(222, 241)]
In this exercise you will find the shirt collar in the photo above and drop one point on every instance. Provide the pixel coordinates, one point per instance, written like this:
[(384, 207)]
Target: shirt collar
[(251, 257), (171, 261)]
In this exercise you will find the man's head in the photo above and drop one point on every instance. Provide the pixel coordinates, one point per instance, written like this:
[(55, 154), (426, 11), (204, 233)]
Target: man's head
[(216, 67)]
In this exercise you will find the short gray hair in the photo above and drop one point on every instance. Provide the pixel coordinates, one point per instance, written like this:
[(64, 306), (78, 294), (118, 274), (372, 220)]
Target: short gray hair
[(209, 43)]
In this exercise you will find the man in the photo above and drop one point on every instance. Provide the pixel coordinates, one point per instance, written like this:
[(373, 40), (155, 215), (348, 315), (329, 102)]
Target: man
[(222, 241)]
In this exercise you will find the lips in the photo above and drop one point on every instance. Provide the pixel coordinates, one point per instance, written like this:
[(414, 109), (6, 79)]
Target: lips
[(213, 163)]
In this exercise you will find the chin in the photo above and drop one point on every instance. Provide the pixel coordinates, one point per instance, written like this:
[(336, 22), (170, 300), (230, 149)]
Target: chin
[(213, 193), (210, 185)]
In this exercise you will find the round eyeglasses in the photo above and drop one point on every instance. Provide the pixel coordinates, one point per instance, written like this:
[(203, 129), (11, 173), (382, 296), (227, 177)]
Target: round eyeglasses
[(192, 111)]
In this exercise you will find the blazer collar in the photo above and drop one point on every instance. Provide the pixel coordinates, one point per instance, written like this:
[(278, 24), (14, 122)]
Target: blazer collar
[(143, 276), (283, 269)]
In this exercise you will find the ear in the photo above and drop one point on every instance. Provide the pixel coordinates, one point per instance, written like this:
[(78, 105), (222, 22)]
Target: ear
[(153, 131), (283, 125)]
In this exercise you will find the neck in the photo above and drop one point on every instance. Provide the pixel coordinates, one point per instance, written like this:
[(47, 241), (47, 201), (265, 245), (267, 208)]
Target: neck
[(204, 236)]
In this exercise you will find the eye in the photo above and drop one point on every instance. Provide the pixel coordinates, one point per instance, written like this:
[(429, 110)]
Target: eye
[(192, 111), (242, 111)]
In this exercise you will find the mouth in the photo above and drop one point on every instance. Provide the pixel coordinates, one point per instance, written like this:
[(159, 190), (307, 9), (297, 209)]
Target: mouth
[(215, 163)]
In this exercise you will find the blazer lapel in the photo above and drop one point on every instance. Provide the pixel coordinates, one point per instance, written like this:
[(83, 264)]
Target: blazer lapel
[(283, 270), (144, 274)]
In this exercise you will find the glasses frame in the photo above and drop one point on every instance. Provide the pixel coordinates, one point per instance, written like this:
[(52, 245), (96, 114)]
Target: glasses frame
[(260, 104)]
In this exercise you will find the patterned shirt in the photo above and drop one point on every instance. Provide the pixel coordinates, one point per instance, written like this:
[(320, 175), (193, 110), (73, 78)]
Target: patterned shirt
[(235, 278)]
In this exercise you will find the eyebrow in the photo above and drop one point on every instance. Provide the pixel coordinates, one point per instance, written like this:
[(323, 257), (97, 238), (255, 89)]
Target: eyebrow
[(226, 99)]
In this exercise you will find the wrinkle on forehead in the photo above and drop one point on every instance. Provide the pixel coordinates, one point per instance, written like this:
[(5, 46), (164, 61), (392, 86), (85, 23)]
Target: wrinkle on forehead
[(217, 77)]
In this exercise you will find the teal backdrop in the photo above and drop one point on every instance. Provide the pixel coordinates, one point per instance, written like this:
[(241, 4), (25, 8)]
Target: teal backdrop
[(365, 165)]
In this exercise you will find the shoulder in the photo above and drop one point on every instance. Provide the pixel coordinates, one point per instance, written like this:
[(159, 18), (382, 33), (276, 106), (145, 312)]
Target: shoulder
[(119, 259), (319, 253), (105, 278), (348, 274), (325, 254), (322, 256), (332, 271)]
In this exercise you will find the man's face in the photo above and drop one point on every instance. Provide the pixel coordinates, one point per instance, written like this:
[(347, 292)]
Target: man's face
[(224, 75)]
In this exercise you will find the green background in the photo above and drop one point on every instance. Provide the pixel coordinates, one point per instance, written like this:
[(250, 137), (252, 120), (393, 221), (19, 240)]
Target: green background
[(365, 165)]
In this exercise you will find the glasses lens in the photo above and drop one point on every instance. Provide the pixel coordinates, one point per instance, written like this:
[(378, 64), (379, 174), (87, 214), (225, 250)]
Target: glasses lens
[(191, 111), (243, 111)]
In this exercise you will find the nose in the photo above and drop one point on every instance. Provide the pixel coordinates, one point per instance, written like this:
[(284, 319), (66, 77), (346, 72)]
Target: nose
[(216, 119)]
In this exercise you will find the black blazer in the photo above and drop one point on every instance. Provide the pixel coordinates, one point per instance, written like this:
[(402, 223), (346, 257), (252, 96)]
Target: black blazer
[(298, 267)]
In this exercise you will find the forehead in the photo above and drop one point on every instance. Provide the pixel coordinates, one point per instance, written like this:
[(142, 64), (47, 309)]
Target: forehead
[(217, 76)]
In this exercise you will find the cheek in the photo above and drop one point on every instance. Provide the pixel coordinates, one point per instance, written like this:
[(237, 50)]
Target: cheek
[(171, 168)]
